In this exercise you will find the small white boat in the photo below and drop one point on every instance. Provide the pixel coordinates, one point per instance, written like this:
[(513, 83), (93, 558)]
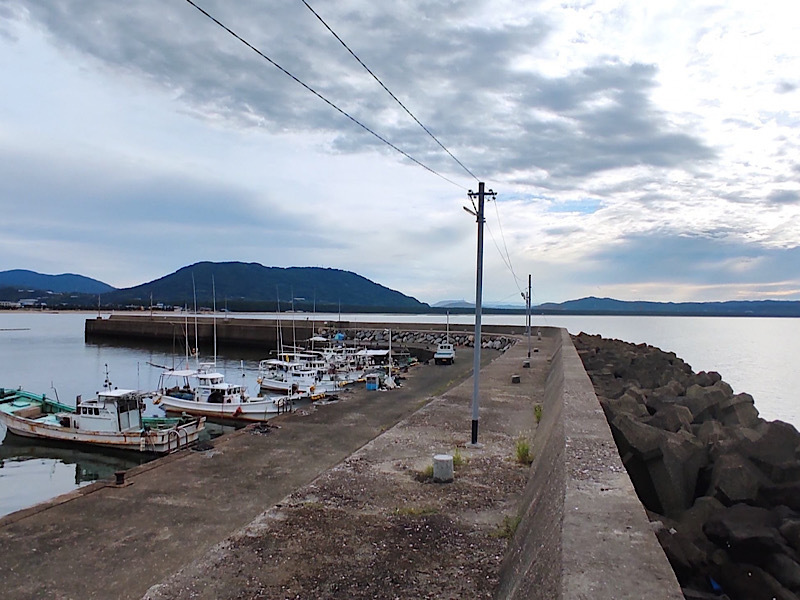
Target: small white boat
[(112, 419), (205, 392)]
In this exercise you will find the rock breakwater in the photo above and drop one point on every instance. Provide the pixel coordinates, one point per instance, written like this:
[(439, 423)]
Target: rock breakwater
[(429, 338), (721, 484)]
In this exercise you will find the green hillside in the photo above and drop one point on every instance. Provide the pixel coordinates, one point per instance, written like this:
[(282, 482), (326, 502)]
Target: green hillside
[(252, 286)]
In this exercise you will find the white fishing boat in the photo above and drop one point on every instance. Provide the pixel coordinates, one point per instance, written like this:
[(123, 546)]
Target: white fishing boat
[(311, 372), (205, 392), (113, 418), (286, 377)]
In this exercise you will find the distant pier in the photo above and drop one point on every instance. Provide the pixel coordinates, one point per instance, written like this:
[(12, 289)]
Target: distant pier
[(235, 331)]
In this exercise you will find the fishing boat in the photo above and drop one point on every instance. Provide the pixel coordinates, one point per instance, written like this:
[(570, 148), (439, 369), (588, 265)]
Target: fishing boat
[(286, 376), (205, 392), (310, 372), (113, 419)]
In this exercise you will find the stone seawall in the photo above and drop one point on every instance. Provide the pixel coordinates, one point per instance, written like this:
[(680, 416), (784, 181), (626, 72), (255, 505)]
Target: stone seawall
[(722, 484), (583, 532)]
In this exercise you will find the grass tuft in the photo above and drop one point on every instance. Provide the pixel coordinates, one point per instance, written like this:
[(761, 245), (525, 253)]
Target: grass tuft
[(425, 475), (523, 451), (537, 412), (508, 527), (458, 458)]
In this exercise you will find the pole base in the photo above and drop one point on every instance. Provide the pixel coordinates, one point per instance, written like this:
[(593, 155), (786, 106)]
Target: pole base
[(474, 431)]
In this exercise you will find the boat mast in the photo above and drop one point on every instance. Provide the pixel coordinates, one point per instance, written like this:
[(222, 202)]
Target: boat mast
[(196, 340), (214, 300), (278, 322), (294, 339)]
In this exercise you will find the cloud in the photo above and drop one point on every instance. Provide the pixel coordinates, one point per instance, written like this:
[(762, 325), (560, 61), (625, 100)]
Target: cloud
[(784, 197), (616, 137), (448, 71), (696, 259)]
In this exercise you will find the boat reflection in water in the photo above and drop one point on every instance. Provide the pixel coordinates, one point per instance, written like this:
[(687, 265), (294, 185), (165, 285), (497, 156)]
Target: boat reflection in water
[(33, 471)]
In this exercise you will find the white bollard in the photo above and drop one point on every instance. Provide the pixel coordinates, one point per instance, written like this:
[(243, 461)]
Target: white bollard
[(442, 468)]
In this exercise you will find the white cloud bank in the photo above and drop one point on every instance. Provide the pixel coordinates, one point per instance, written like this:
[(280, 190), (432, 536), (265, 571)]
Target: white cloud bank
[(640, 150)]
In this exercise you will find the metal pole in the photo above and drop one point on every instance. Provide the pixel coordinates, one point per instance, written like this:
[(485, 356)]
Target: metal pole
[(476, 369), (528, 312)]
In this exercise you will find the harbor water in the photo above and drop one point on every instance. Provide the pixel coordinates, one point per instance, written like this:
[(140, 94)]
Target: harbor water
[(46, 353)]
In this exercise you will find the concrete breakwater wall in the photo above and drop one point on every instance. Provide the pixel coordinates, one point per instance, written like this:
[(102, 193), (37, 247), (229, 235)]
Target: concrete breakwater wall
[(265, 332), (583, 532)]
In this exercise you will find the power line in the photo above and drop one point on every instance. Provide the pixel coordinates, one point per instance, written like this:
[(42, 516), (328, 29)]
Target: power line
[(503, 257), (320, 96), (388, 91), (503, 237)]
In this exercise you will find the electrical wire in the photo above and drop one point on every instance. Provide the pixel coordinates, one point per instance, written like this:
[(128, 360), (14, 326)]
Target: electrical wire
[(388, 91), (503, 237), (320, 96), (502, 256)]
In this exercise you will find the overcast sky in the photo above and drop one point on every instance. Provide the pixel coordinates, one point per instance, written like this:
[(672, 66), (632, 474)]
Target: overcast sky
[(640, 150)]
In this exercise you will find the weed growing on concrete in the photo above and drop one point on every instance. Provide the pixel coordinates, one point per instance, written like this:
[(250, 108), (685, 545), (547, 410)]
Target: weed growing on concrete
[(507, 528), (537, 412), (523, 451), (425, 475), (458, 458)]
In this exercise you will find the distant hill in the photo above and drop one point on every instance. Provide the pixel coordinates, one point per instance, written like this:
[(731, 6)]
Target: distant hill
[(463, 304), (252, 286), (60, 284), (454, 304), (747, 308)]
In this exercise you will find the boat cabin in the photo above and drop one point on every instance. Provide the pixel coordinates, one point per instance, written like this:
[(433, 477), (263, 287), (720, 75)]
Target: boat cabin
[(110, 411)]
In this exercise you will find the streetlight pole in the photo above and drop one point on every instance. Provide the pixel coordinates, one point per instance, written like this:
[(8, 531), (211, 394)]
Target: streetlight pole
[(476, 368)]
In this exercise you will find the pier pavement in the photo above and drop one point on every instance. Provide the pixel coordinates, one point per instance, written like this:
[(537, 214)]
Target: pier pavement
[(109, 541)]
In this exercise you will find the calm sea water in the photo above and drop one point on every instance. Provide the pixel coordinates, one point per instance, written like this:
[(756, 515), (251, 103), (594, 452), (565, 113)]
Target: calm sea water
[(46, 353)]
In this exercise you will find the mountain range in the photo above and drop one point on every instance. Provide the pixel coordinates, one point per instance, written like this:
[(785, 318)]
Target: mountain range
[(233, 285), (60, 284), (241, 286)]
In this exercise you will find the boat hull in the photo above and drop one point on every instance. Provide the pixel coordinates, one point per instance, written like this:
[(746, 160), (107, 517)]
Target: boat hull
[(155, 441), (253, 410)]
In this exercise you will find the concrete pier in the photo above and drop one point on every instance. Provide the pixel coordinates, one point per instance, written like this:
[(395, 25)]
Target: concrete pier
[(238, 332), (334, 503)]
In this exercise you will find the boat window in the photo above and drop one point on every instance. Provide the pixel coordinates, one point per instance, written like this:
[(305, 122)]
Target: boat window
[(97, 411)]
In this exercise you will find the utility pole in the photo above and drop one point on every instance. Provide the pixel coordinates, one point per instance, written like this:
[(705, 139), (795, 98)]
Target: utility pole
[(476, 369), (528, 312)]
